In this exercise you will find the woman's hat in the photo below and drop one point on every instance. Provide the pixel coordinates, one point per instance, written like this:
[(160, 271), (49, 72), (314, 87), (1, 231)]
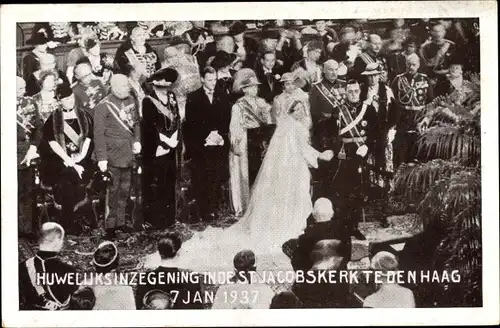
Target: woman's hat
[(164, 77), (245, 77), (40, 37), (288, 77), (222, 59), (63, 90), (105, 255), (237, 28), (371, 69)]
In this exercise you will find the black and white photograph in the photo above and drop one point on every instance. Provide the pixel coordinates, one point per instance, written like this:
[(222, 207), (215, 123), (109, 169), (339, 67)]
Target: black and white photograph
[(343, 160)]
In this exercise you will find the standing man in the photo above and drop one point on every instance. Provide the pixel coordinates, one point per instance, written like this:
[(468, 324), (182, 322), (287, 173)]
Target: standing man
[(88, 90), (117, 141), (381, 159), (412, 92), (268, 74), (357, 133), (436, 52), (206, 129), (371, 55), (29, 128), (324, 98), (160, 137)]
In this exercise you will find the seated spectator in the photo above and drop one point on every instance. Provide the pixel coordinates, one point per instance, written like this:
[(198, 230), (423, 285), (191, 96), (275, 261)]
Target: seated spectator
[(247, 294), (285, 300), (325, 256), (110, 297), (157, 300), (322, 227), (34, 82), (168, 246), (46, 296), (389, 294), (82, 299)]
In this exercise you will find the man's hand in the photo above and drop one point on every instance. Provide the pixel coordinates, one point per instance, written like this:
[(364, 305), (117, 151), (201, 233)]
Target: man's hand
[(326, 156), (31, 154), (136, 147), (362, 150), (103, 165)]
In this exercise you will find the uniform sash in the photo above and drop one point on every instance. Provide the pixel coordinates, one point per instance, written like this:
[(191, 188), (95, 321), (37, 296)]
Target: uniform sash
[(71, 133), (162, 108), (113, 109)]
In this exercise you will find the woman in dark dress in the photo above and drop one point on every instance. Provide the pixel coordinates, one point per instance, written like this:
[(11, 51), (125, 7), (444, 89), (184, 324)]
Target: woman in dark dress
[(67, 135), (160, 138)]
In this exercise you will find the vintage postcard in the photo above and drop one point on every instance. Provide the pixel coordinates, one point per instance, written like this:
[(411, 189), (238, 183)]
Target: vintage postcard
[(241, 164)]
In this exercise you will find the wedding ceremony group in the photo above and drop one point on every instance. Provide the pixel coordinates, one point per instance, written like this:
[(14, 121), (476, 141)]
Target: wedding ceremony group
[(252, 147)]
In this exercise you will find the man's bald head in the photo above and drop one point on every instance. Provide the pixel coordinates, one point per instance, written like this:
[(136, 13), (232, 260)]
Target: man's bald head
[(51, 237), (412, 63), (120, 86), (375, 43), (83, 72), (322, 210), (330, 70)]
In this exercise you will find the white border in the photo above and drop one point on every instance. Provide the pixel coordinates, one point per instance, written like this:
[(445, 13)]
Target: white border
[(486, 10)]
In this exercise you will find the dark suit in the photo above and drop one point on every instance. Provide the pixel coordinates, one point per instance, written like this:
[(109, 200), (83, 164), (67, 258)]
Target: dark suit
[(113, 143), (210, 167), (270, 86), (252, 48), (333, 229)]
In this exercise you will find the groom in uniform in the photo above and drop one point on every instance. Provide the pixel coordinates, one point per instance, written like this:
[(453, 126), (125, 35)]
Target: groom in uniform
[(352, 137), (117, 140)]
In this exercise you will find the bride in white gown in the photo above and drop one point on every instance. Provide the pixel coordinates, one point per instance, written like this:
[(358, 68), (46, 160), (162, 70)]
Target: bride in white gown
[(279, 205)]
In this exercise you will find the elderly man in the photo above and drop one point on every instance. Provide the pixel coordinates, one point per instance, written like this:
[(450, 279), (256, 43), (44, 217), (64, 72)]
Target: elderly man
[(46, 296), (324, 98), (29, 128), (138, 53), (117, 139), (436, 52), (89, 90), (370, 55), (322, 227), (412, 91)]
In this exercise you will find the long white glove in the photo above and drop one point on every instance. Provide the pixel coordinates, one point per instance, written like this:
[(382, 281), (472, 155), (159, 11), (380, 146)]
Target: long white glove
[(391, 135), (30, 155), (103, 165)]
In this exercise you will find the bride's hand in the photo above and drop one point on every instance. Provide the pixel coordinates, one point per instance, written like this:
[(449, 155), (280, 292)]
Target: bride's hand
[(326, 156)]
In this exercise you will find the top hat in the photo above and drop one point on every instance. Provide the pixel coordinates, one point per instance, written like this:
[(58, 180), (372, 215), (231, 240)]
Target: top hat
[(105, 254), (222, 59), (63, 90), (237, 28), (164, 77), (371, 69)]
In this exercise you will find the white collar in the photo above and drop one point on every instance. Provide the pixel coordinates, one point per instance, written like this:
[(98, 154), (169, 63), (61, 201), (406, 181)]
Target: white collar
[(270, 71)]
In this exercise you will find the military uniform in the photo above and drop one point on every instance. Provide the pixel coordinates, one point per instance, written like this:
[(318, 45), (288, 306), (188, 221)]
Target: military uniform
[(324, 113), (28, 134), (357, 127), (116, 129), (435, 57), (412, 93), (363, 60), (88, 96)]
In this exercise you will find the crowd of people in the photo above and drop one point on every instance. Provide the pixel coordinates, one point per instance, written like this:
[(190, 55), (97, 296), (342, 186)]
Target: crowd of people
[(244, 118)]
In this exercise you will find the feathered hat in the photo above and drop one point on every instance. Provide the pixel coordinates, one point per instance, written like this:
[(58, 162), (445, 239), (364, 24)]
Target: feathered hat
[(245, 77)]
